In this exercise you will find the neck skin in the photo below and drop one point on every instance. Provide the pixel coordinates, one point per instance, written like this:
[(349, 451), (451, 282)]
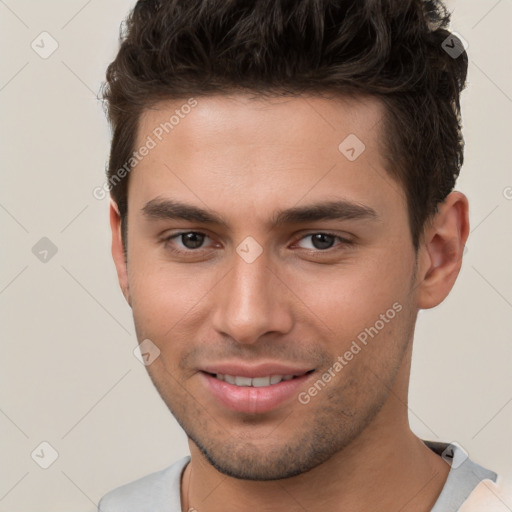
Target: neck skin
[(385, 468)]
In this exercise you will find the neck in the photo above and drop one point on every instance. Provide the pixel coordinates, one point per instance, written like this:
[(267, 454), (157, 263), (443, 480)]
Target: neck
[(386, 468)]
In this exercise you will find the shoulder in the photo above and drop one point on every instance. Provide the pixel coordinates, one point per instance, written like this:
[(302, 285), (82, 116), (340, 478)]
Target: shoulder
[(469, 486), (160, 491), (490, 496)]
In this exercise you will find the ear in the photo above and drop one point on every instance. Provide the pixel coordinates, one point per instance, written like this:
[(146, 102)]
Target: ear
[(440, 252), (118, 253)]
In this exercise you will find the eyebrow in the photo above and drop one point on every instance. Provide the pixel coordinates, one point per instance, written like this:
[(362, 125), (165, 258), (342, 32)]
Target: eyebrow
[(165, 209)]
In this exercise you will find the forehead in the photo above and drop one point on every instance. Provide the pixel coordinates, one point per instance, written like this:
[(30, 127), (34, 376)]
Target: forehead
[(242, 118), (263, 150)]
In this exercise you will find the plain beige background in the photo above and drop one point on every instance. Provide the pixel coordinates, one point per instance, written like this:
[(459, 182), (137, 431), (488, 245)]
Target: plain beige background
[(69, 376)]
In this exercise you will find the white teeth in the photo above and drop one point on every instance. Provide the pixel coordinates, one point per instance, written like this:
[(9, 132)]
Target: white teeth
[(243, 381), (259, 382), (256, 382)]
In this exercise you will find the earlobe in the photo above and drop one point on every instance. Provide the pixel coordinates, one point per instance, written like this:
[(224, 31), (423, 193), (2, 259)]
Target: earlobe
[(441, 250), (118, 252)]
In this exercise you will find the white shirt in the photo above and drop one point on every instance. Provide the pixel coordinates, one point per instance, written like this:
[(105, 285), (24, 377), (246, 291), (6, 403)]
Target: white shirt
[(468, 488)]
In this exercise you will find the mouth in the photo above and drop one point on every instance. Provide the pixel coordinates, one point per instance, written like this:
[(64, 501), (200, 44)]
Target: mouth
[(254, 391), (256, 382)]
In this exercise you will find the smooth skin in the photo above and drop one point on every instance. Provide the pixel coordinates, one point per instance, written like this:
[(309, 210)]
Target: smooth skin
[(245, 159)]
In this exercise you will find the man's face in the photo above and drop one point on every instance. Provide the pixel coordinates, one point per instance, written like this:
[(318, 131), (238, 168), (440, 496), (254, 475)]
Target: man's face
[(268, 286)]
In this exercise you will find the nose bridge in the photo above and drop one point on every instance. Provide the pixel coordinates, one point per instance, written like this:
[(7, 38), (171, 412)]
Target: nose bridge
[(250, 301)]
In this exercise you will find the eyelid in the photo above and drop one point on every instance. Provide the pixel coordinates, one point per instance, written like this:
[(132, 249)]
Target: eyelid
[(170, 237), (341, 239)]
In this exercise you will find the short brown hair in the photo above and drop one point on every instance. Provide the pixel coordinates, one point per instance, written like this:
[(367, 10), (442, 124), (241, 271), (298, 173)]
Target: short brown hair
[(395, 50)]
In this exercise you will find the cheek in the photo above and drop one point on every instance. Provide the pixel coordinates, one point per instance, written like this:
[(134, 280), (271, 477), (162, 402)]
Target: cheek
[(351, 297), (167, 299)]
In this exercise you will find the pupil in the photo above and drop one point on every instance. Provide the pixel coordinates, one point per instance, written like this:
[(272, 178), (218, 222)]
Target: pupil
[(322, 241), (192, 240)]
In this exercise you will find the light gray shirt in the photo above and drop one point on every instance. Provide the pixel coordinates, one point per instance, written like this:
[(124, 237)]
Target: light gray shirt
[(160, 491)]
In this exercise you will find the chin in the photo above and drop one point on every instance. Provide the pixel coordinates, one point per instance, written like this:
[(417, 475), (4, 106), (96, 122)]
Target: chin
[(246, 460)]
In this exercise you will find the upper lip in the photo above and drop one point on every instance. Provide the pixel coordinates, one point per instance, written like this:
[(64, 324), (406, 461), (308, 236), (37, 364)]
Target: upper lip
[(255, 370)]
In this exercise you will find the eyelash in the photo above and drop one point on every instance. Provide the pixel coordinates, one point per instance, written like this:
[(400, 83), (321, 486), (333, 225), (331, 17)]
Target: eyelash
[(342, 241)]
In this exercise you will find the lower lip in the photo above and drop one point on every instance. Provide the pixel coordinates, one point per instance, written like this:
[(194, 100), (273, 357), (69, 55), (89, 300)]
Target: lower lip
[(253, 400)]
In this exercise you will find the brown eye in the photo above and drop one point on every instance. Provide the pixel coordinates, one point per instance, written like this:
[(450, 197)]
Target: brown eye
[(187, 242), (320, 241), (192, 240)]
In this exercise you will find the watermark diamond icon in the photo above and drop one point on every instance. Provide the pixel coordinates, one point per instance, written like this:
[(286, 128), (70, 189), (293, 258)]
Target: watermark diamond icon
[(249, 249), (146, 352), (44, 250), (44, 45), (351, 147), (44, 455), (454, 45)]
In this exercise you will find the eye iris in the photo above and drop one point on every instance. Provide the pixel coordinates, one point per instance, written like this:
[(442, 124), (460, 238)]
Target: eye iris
[(322, 240), (192, 240)]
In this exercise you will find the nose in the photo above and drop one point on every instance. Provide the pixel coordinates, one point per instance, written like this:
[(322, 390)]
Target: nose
[(251, 302)]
